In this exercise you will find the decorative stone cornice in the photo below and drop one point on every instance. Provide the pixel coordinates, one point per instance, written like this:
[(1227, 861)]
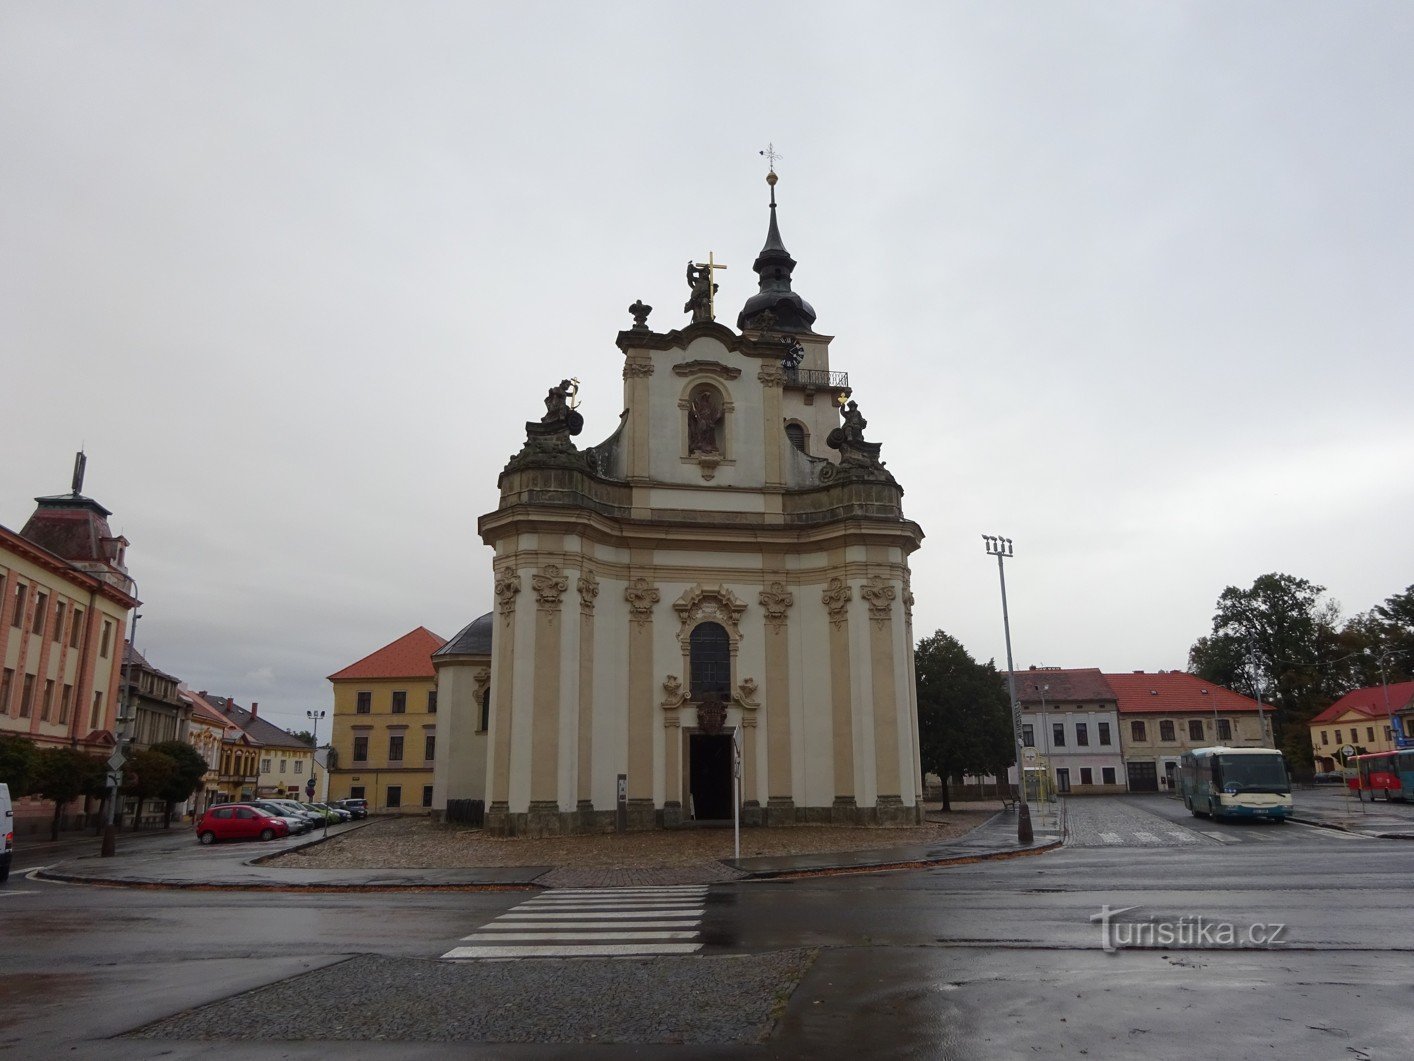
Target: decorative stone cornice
[(715, 603), (549, 585), (879, 595), (641, 595), (480, 680), (637, 369), (706, 368), (836, 597), (588, 587), (507, 586), (776, 601)]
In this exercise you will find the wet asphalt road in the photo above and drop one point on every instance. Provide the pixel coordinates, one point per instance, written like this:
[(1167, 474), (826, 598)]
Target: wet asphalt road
[(996, 959)]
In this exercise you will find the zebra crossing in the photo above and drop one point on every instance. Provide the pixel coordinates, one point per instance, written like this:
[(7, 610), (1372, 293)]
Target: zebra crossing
[(593, 922)]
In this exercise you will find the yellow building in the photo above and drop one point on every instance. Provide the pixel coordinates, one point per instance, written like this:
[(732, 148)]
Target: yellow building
[(1361, 719), (64, 601), (385, 726), (284, 763)]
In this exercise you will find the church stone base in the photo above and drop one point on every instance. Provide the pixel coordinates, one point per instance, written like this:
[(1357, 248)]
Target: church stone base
[(546, 819), (780, 810)]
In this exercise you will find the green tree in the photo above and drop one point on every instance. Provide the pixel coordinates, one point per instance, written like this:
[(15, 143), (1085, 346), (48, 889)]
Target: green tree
[(63, 775), (964, 726), (1280, 635), (190, 768), (16, 763), (305, 736), (146, 775)]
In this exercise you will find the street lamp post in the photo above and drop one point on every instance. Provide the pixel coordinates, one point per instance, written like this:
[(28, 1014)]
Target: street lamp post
[(1045, 742), (1384, 683), (314, 716), (109, 846), (1001, 548)]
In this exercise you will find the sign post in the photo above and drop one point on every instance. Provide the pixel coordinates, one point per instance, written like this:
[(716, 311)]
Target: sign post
[(736, 792), (621, 805)]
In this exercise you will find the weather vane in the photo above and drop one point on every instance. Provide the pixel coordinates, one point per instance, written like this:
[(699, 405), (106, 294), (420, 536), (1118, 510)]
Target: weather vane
[(770, 155)]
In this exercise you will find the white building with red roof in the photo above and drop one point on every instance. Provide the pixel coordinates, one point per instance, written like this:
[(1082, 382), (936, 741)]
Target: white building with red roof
[(1165, 713)]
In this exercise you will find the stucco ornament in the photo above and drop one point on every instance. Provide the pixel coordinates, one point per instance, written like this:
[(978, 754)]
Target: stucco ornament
[(673, 694), (507, 586), (776, 601), (480, 680), (637, 369), (588, 591), (770, 376), (641, 595), (746, 692), (907, 593), (715, 603), (550, 585), (836, 597), (879, 595)]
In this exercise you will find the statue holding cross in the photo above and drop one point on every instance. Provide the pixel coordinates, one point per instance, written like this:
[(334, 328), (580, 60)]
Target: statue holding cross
[(701, 278)]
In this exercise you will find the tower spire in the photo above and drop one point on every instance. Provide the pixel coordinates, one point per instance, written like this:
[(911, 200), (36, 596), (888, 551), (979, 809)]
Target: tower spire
[(775, 307)]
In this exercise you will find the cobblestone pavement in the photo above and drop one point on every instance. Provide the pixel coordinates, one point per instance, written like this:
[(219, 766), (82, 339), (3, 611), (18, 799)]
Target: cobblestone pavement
[(679, 856), (726, 999), (1106, 821)]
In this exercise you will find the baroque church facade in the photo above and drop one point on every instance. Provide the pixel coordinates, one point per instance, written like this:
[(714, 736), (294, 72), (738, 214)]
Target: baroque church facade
[(722, 581)]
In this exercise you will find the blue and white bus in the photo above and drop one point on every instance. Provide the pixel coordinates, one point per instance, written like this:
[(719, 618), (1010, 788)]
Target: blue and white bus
[(1235, 783)]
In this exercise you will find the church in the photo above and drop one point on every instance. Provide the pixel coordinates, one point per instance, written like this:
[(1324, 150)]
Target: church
[(719, 589)]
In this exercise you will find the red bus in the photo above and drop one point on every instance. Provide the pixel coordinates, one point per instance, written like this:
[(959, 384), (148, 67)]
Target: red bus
[(1390, 774)]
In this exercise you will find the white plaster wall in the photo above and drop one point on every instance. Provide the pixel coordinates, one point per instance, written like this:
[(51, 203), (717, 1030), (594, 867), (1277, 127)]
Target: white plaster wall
[(706, 499), (459, 769), (522, 690), (811, 724), (567, 767), (861, 679), (904, 693), (609, 731)]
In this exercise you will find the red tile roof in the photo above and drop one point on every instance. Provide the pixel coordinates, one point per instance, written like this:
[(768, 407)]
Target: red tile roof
[(410, 656), (1172, 693), (1369, 703), (1062, 685)]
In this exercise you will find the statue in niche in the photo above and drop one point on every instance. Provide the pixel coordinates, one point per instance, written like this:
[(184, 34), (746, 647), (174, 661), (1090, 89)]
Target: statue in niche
[(703, 416)]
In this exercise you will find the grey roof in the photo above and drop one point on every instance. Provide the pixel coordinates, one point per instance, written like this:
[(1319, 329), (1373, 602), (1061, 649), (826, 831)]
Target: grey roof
[(256, 728), (473, 639)]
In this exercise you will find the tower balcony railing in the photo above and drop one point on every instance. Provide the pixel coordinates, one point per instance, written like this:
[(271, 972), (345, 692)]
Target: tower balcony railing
[(817, 379)]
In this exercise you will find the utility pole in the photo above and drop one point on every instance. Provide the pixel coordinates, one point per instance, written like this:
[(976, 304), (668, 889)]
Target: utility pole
[(1001, 548), (109, 846), (314, 716)]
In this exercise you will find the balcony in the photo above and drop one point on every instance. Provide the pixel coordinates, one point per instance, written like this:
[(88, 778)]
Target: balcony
[(815, 379)]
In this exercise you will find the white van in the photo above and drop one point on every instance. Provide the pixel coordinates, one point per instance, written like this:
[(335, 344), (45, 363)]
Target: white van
[(7, 830)]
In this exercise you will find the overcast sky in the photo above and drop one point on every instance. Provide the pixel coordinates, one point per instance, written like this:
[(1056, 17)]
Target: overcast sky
[(1127, 283)]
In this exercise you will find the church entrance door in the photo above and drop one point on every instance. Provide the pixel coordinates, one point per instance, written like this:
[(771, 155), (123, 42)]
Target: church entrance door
[(710, 775)]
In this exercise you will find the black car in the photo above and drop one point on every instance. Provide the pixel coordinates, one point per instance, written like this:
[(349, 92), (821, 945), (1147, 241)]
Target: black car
[(357, 807)]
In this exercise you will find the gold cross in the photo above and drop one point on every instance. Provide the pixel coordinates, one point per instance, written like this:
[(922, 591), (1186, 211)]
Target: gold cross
[(711, 268)]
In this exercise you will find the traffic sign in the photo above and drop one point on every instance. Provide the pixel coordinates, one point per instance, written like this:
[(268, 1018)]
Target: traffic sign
[(309, 787), (1348, 750), (117, 759)]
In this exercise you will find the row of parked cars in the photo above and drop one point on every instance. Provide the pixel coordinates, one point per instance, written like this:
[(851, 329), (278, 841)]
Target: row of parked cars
[(267, 819)]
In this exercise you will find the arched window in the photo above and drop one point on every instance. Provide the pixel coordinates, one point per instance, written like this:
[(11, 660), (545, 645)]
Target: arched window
[(710, 654), (796, 434), (485, 711)]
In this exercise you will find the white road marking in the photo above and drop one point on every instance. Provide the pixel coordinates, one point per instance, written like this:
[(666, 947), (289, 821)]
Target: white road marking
[(1220, 836), (1183, 835), (607, 915), (1112, 838), (23, 891), (1337, 834), (545, 937), (582, 950), (593, 922), (1148, 838)]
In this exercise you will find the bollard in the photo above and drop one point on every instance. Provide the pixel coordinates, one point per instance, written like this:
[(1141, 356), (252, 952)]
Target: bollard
[(1024, 834)]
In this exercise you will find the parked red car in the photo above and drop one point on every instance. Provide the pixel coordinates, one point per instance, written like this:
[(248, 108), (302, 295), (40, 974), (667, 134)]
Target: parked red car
[(236, 821)]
